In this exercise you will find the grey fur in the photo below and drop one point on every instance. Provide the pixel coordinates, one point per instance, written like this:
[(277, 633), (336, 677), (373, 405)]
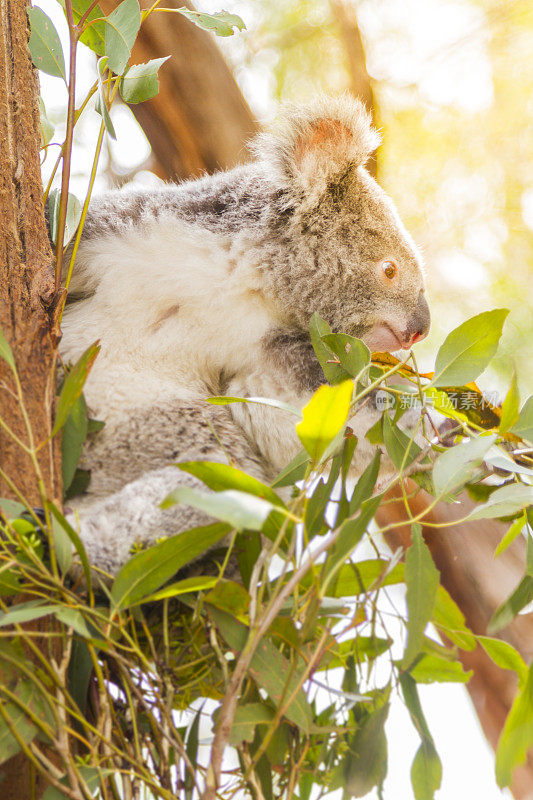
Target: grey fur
[(208, 287)]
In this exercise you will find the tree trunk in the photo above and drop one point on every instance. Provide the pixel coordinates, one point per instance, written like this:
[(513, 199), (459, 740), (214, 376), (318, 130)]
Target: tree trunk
[(360, 84), (200, 120), (478, 582), (27, 302)]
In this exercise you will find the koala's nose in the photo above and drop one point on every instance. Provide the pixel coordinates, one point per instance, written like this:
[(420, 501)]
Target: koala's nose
[(419, 322)]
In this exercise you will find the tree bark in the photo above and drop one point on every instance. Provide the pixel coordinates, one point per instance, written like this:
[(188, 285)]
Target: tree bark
[(360, 84), (27, 303), (479, 583), (199, 122), (27, 294)]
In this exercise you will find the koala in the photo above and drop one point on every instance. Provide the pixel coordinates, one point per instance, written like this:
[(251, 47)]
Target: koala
[(207, 288)]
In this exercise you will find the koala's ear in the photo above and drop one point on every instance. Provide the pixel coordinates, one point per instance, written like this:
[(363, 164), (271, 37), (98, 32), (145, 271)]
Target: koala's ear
[(317, 144)]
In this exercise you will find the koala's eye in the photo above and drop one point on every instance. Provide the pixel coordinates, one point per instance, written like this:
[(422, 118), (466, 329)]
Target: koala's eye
[(389, 269)]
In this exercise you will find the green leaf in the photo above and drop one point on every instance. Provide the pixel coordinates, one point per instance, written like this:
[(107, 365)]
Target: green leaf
[(426, 771), (400, 447), (219, 477), (366, 483), (505, 656), (514, 531), (434, 669), (94, 34), (422, 581), (365, 763), (74, 435), (221, 400), (28, 694), (73, 385), (352, 353), (448, 618), (6, 352), (510, 407), (269, 669), (333, 371), (75, 539), (141, 81), (230, 597), (147, 571), (349, 536), (47, 128), (457, 465), (468, 349), (122, 26), (517, 600), (186, 586), (238, 509), (293, 472), (45, 45), (504, 501), (517, 735), (72, 219), (101, 102), (192, 751), (91, 775), (220, 22), (245, 720), (24, 612), (362, 576), (74, 619), (524, 426), (62, 546), (324, 417)]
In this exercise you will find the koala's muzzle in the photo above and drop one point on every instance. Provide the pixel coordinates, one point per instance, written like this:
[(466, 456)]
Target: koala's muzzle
[(418, 323)]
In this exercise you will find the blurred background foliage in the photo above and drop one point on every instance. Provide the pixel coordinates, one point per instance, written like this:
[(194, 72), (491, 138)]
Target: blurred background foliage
[(453, 97)]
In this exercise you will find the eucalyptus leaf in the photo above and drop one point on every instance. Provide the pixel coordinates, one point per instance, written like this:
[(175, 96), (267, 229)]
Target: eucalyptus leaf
[(145, 572), (401, 448), (457, 465), (524, 425), (510, 406), (122, 26), (324, 417), (517, 735), (141, 81), (72, 219), (6, 352), (45, 44), (432, 668), (334, 372), (468, 349), (269, 669), (505, 501), (237, 508), (505, 656), (261, 401), (448, 618), (219, 476), (422, 581), (352, 353), (47, 128), (517, 600), (221, 22), (73, 385), (101, 102)]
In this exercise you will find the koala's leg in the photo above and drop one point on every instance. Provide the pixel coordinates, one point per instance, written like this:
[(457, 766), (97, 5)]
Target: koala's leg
[(111, 526), (131, 474)]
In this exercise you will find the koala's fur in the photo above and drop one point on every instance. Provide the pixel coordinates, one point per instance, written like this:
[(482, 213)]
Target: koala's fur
[(207, 288)]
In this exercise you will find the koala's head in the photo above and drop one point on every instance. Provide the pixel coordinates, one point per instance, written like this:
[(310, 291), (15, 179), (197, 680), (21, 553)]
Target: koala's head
[(342, 248)]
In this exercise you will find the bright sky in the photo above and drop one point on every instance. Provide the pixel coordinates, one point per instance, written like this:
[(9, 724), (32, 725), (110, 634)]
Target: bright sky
[(464, 79)]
